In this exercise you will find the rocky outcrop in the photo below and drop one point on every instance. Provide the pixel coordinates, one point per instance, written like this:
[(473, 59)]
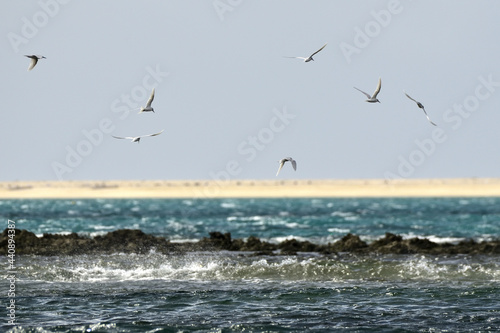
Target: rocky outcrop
[(136, 241)]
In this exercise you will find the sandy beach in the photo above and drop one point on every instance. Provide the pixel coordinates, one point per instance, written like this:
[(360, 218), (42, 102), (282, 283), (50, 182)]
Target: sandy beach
[(470, 187)]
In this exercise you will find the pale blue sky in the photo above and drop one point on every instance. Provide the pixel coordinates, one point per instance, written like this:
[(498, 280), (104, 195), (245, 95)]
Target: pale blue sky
[(232, 105)]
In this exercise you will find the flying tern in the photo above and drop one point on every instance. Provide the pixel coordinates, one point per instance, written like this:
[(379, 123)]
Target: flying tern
[(373, 98), (34, 60), (307, 59), (136, 138), (420, 106), (284, 160), (148, 107)]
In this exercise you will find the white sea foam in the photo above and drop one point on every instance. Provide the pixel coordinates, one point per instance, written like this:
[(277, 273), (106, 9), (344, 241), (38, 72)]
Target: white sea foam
[(289, 237), (126, 267), (62, 233), (184, 240), (295, 225), (451, 269), (341, 214), (228, 205), (222, 266), (179, 226), (102, 227), (441, 240), (96, 233), (347, 216), (422, 267), (245, 218), (339, 230), (434, 239)]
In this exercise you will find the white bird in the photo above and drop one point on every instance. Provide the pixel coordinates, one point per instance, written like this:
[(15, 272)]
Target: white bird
[(373, 98), (148, 107), (307, 59), (284, 160), (34, 60), (136, 138), (420, 106)]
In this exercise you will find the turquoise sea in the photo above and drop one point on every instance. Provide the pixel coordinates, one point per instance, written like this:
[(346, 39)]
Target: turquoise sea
[(242, 292)]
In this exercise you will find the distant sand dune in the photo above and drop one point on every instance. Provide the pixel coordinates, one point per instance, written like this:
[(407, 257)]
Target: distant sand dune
[(465, 187)]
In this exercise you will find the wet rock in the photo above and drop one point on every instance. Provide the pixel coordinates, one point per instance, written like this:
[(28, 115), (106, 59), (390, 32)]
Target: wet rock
[(421, 245), (129, 241), (349, 243), (395, 244), (387, 240), (136, 241), (217, 240), (389, 244), (28, 240), (255, 244), (292, 246), (472, 247)]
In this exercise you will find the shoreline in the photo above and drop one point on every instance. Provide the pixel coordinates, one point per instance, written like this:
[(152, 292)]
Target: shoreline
[(450, 187)]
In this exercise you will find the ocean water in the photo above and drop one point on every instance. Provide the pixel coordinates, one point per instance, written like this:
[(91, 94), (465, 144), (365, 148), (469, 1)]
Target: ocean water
[(241, 292)]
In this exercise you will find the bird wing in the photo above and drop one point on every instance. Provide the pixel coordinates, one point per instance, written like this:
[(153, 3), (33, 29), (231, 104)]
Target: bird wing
[(150, 100), (410, 97), (303, 58), (377, 90), (319, 50), (294, 164), (155, 134), (120, 137), (429, 119), (32, 63), (367, 95), (282, 162), (423, 109)]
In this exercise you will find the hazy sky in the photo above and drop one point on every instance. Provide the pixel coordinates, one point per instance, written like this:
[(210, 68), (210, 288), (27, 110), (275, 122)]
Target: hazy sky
[(229, 101)]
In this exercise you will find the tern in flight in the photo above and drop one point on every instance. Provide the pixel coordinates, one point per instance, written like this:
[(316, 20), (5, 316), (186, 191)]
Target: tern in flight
[(34, 60), (420, 106), (284, 160), (310, 57), (373, 98), (148, 107), (136, 138)]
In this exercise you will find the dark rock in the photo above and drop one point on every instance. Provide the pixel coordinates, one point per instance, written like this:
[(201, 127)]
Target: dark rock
[(387, 240), (129, 241), (217, 241), (421, 244), (136, 241), (255, 244), (292, 246), (349, 243)]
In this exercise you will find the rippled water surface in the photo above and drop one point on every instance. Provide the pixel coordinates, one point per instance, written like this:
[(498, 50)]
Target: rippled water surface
[(240, 292)]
